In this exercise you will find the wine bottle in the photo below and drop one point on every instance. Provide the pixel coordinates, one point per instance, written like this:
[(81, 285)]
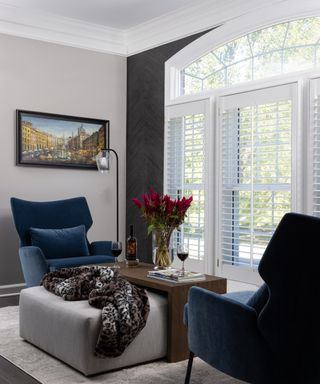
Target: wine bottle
[(131, 246)]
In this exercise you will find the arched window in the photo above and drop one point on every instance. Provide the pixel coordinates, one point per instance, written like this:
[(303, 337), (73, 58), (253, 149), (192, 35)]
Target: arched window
[(255, 84), (281, 48)]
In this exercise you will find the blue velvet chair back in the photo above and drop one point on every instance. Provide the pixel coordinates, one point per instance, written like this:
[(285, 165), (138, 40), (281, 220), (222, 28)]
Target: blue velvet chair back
[(49, 214), (289, 322)]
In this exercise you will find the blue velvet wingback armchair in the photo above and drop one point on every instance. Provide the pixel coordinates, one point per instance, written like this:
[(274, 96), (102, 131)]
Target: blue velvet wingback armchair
[(272, 335), (53, 235)]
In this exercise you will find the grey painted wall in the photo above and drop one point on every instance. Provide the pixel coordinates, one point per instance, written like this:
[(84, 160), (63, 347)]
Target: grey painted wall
[(52, 78), (145, 130)]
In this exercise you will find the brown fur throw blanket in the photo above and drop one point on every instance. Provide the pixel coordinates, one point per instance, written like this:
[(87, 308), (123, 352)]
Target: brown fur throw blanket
[(125, 307)]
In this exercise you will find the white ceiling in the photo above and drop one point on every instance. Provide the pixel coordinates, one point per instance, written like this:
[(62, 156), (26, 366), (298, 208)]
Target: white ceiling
[(120, 14)]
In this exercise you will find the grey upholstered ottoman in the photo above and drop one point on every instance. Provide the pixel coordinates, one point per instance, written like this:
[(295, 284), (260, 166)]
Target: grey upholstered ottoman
[(69, 330)]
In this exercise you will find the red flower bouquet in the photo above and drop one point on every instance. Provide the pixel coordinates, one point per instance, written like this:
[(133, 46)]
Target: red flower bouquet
[(163, 215)]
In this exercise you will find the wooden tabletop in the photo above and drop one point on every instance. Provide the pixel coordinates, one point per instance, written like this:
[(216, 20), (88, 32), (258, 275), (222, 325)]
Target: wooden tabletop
[(138, 275)]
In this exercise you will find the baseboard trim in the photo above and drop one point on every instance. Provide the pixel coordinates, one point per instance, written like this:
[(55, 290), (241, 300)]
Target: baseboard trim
[(11, 289), (12, 286), (10, 294)]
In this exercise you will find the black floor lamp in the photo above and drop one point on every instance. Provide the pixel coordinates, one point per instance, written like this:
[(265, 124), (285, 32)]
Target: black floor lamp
[(103, 160)]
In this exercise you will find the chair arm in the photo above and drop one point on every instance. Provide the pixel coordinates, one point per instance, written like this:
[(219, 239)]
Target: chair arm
[(100, 248), (34, 265), (224, 333)]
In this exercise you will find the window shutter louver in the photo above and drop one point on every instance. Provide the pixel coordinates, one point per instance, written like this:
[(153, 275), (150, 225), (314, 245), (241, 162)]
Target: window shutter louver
[(194, 176), (315, 143), (174, 163), (175, 156), (255, 172), (185, 171)]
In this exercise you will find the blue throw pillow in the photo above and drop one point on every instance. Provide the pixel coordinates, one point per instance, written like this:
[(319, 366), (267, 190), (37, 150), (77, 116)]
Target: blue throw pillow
[(60, 243)]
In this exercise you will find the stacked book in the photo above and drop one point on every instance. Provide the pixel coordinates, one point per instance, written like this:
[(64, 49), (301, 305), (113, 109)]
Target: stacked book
[(176, 276)]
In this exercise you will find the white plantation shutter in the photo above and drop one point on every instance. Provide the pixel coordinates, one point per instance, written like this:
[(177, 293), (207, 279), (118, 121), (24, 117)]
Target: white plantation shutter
[(185, 173), (315, 145), (255, 185), (174, 161)]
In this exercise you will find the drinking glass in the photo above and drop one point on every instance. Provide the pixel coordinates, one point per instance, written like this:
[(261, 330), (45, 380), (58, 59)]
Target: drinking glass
[(182, 253), (116, 249)]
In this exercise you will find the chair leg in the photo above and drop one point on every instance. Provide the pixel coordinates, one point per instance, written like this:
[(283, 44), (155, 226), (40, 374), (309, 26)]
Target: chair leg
[(188, 374)]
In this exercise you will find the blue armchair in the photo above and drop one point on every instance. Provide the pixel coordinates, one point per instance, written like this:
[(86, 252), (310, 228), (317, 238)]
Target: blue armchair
[(272, 335), (53, 235)]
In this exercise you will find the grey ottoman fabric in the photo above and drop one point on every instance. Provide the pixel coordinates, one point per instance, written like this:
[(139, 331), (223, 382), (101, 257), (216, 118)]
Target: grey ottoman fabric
[(69, 330)]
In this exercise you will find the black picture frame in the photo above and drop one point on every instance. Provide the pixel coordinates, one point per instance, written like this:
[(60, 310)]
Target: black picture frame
[(53, 140)]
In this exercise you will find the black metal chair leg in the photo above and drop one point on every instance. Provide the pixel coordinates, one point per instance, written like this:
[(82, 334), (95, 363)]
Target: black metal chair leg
[(188, 374)]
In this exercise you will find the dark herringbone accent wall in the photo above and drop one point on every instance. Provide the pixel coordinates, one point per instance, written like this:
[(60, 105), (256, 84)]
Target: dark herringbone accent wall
[(145, 131)]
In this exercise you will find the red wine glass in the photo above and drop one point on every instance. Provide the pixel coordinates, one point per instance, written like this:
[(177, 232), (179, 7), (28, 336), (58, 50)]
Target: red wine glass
[(116, 249), (182, 253)]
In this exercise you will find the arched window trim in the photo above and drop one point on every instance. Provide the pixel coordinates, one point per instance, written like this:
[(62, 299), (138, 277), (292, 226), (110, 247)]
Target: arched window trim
[(275, 14)]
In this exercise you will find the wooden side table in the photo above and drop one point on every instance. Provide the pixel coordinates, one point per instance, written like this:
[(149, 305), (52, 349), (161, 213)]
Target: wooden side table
[(177, 295)]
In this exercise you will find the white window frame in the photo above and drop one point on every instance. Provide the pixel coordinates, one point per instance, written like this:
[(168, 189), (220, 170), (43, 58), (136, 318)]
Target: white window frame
[(301, 177), (246, 274)]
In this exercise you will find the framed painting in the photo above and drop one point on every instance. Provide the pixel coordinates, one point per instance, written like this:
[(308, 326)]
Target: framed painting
[(51, 140)]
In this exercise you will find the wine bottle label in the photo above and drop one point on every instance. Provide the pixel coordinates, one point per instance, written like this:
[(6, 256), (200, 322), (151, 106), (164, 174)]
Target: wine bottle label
[(131, 250)]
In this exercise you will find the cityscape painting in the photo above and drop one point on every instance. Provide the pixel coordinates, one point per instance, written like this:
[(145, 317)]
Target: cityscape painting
[(45, 139)]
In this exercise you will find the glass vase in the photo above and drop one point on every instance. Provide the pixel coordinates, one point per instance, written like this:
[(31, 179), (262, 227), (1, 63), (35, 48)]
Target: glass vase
[(161, 248)]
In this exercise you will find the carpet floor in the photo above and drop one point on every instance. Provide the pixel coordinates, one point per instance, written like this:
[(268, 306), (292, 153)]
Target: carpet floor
[(49, 370)]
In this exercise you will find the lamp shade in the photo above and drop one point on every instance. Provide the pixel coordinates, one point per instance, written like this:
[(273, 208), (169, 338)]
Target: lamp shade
[(103, 160)]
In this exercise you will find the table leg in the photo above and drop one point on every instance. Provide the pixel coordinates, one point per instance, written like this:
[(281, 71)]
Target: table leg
[(177, 332)]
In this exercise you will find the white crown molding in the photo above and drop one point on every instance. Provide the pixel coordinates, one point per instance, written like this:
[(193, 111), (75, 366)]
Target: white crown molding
[(47, 27), (60, 30), (188, 21)]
